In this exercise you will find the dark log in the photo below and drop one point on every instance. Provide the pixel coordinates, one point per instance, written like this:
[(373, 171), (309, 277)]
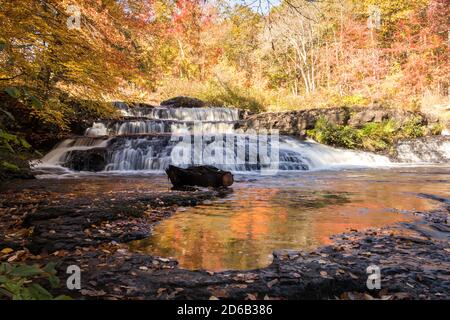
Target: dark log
[(203, 176)]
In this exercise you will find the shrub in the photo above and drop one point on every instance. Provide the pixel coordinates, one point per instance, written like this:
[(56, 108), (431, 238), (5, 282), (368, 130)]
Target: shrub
[(378, 136), (340, 136), (373, 136), (413, 128), (436, 129), (19, 281)]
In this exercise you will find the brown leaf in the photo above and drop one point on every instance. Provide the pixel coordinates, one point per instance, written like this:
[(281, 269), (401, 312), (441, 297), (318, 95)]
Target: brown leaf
[(251, 296), (7, 250), (272, 282)]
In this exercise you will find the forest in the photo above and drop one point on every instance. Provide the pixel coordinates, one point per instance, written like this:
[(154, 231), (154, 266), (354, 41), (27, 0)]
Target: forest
[(62, 62)]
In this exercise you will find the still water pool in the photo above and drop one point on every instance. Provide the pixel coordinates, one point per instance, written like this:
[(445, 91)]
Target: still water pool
[(295, 210)]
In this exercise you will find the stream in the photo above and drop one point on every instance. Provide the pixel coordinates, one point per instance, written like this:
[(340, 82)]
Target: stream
[(316, 191)]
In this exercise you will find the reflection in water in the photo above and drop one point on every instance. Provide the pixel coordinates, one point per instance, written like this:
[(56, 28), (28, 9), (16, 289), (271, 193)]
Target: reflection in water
[(296, 211)]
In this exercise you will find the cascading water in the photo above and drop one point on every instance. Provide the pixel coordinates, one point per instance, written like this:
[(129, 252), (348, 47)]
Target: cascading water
[(147, 138), (435, 149)]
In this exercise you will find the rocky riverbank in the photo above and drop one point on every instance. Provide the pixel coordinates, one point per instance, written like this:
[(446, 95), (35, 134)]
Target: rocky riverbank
[(45, 221), (91, 230), (413, 266)]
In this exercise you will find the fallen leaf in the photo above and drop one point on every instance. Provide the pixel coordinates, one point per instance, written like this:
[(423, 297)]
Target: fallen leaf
[(92, 293), (272, 282), (401, 295), (7, 251)]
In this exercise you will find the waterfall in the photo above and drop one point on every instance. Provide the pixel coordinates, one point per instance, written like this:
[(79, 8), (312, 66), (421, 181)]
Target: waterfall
[(435, 149), (185, 114), (97, 129), (150, 138), (146, 126), (56, 160)]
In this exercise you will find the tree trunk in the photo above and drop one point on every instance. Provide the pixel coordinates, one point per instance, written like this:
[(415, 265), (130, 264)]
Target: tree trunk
[(204, 176)]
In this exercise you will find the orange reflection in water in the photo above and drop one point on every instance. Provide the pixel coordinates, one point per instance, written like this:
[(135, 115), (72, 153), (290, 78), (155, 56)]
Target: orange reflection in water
[(241, 232), (253, 222)]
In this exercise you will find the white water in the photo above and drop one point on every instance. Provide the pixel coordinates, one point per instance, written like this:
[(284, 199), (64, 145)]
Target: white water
[(428, 150), (56, 158), (147, 144), (184, 114), (143, 127), (98, 129), (319, 156)]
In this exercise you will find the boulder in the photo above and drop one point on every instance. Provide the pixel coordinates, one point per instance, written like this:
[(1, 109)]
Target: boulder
[(87, 160), (183, 102)]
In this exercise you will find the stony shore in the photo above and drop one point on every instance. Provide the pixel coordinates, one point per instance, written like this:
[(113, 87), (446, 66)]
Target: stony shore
[(413, 257)]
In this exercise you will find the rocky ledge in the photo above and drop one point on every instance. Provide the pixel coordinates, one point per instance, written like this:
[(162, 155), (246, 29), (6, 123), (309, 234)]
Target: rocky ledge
[(298, 122)]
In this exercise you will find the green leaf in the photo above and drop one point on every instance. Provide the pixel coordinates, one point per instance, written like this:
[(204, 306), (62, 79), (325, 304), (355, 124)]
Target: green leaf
[(26, 271), (10, 167), (39, 293), (62, 297), (13, 92), (8, 114), (8, 146), (5, 268), (24, 143), (54, 281), (36, 102), (8, 137), (50, 268)]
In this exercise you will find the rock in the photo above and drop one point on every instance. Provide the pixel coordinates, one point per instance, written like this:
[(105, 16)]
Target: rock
[(298, 122), (87, 160), (183, 102)]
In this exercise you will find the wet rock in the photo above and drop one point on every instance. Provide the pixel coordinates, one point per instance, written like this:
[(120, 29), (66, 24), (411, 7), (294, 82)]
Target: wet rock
[(322, 274), (87, 160), (83, 223), (183, 102)]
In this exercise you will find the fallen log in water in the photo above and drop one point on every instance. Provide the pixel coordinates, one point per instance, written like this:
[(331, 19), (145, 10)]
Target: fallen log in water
[(204, 176)]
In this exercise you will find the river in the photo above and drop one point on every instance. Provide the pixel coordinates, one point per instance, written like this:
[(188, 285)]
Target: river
[(316, 191)]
